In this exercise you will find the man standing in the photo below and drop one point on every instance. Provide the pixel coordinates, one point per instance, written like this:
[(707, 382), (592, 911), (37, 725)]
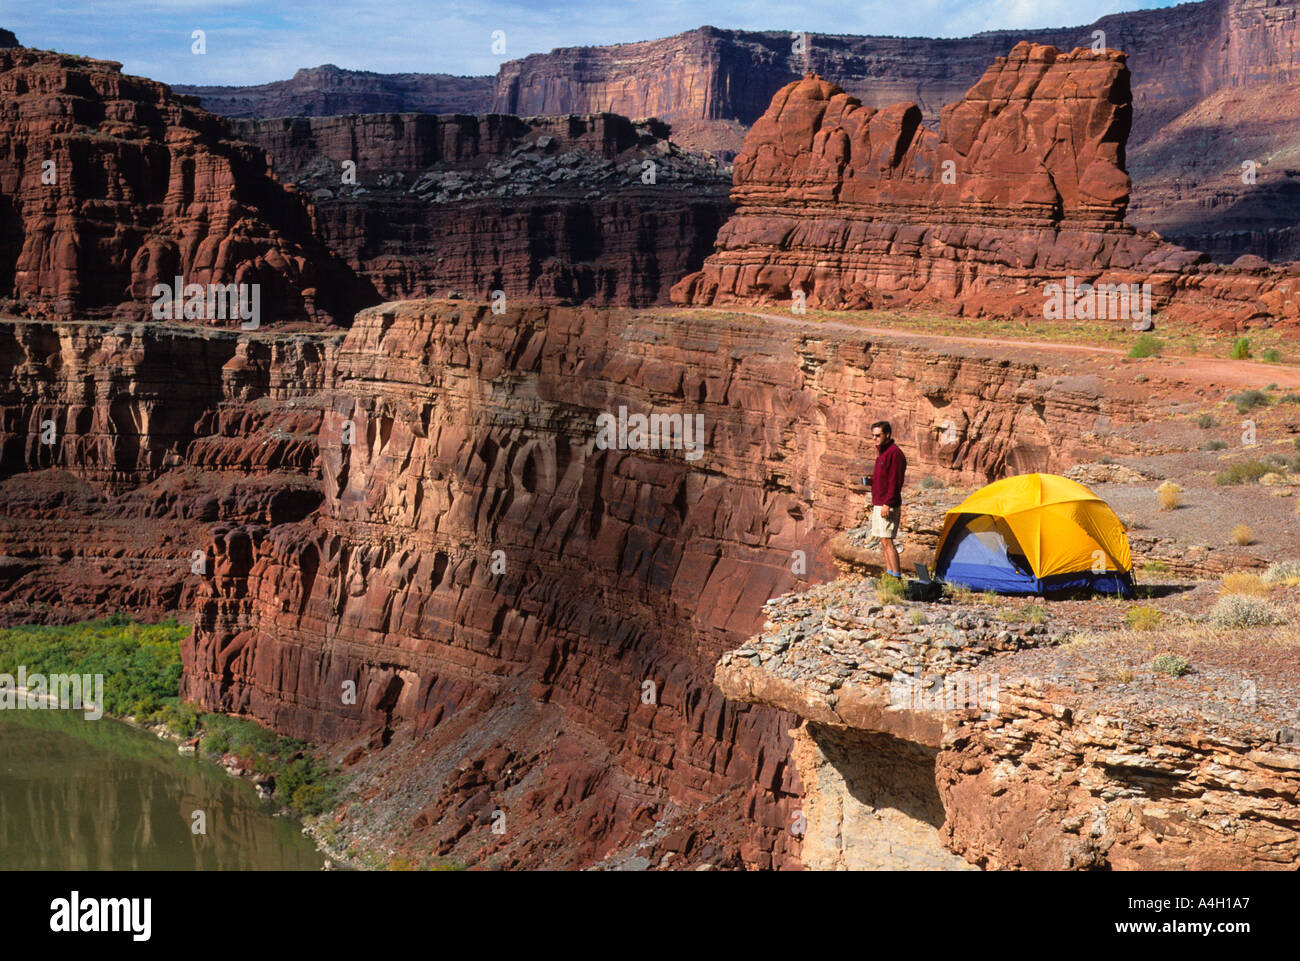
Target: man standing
[(887, 493)]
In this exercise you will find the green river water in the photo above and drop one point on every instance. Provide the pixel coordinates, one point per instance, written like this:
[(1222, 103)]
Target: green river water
[(101, 795)]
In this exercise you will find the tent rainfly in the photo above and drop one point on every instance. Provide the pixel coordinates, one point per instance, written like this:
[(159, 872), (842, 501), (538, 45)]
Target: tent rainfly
[(1035, 534)]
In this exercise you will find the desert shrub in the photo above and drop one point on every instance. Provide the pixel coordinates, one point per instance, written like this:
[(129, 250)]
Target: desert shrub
[(1243, 472), (1169, 498), (1205, 422), (1242, 535), (1156, 566), (1282, 572), (1289, 399), (1142, 618), (1240, 348), (960, 593), (1132, 522), (1147, 345), (918, 617), (1171, 664), (1248, 400), (1213, 445), (1036, 614), (1271, 356), (1240, 610), (890, 590), (180, 718), (302, 782), (140, 663), (1243, 582), (929, 483)]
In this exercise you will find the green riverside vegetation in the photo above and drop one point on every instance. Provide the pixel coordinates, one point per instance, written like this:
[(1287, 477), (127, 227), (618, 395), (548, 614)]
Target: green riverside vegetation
[(141, 666)]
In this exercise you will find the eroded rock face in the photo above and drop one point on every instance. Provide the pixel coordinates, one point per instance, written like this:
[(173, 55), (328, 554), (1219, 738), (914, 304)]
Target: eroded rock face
[(869, 803), (122, 446), (474, 434), (1024, 185), (328, 91), (1054, 781), (485, 681), (1042, 756), (579, 209), (110, 184)]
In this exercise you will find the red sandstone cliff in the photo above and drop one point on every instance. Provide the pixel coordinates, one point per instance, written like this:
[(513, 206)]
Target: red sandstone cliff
[(327, 91), (1212, 90), (1023, 185), (109, 185), (473, 432), (549, 209)]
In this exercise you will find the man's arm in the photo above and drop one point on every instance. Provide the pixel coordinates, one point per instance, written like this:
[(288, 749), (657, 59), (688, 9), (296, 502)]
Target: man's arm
[(889, 487)]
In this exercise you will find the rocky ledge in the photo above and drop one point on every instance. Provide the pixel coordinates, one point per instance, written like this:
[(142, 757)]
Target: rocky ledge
[(946, 735)]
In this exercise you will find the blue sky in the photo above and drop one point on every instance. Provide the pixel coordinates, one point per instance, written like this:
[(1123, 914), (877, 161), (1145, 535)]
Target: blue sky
[(254, 41)]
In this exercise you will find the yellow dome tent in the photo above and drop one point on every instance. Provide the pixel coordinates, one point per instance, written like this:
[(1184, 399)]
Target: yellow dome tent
[(1034, 534)]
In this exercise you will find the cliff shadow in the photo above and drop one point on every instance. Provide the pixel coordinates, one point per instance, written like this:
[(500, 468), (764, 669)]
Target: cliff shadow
[(871, 802)]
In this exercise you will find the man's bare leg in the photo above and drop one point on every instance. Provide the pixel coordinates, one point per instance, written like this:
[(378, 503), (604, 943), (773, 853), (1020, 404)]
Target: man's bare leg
[(891, 555)]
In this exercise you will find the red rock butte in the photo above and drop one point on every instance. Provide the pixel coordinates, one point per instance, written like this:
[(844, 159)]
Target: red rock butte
[(110, 184), (1024, 184)]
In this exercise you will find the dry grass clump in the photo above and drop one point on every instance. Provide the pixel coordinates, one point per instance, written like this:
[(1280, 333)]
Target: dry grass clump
[(1172, 664), (1144, 617), (1239, 610), (1283, 572), (1242, 582), (1243, 535), (890, 590), (1035, 614), (1169, 496)]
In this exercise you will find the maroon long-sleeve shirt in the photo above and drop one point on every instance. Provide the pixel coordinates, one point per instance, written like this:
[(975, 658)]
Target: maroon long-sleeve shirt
[(887, 476)]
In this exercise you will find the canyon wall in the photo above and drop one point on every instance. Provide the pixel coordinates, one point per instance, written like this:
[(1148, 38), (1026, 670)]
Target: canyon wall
[(498, 588), (123, 443), (328, 91), (109, 184), (549, 209), (1023, 185)]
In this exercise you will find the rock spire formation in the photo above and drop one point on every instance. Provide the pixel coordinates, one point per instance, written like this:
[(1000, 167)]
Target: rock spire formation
[(1022, 186)]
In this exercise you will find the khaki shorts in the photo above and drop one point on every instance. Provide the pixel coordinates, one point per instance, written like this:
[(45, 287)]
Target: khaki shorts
[(884, 529)]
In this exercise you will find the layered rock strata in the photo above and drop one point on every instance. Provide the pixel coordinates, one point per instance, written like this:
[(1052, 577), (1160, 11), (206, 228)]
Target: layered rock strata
[(953, 733), (110, 185), (579, 209), (328, 91), (375, 563), (1022, 187)]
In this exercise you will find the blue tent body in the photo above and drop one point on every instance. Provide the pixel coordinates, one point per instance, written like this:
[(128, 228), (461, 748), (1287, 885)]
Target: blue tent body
[(981, 552)]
